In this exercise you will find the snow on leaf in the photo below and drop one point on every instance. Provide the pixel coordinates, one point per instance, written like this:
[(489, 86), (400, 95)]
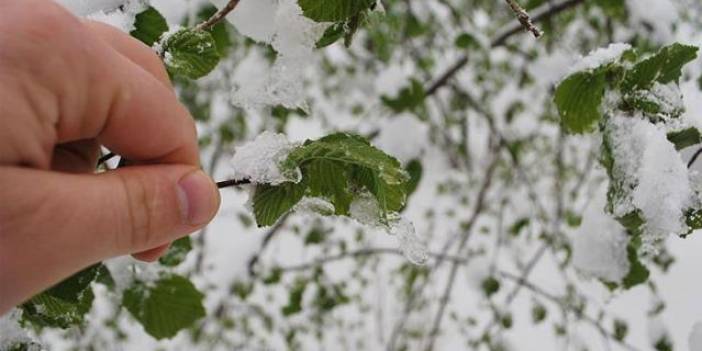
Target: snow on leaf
[(188, 52)]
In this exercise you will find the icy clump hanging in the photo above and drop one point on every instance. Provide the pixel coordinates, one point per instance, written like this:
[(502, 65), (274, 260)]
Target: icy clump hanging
[(281, 24), (600, 57), (365, 210), (259, 160), (600, 244), (11, 333), (649, 164), (695, 338)]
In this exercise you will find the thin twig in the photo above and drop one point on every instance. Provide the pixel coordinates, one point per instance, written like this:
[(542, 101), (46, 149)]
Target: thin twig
[(694, 158), (524, 18), (232, 182), (542, 13), (218, 16), (445, 297), (105, 158), (266, 240)]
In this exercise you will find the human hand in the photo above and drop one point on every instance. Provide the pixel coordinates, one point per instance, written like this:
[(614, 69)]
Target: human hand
[(68, 87)]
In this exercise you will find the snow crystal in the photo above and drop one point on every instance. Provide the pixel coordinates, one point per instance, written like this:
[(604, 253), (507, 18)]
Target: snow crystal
[(695, 338), (293, 36), (600, 57), (649, 164), (599, 245), (11, 333), (259, 160), (365, 210)]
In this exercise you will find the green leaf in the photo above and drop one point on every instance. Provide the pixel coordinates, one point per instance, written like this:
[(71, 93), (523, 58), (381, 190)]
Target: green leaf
[(333, 10), (663, 67), (414, 169), (333, 33), (65, 304), (490, 286), (638, 273), (409, 98), (466, 41), (538, 313), (328, 179), (190, 53), (684, 138), (177, 252), (578, 99), (170, 305), (621, 329), (295, 298), (270, 202), (149, 25)]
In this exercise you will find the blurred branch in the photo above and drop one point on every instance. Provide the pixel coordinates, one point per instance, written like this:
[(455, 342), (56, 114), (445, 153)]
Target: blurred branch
[(218, 16), (524, 18), (542, 13), (564, 305), (266, 240), (694, 158), (365, 252), (479, 207)]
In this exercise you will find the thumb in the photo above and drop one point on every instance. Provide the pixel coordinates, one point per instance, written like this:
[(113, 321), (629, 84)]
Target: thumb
[(53, 224)]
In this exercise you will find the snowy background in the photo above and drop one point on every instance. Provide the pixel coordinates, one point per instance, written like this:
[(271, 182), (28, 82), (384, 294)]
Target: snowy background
[(529, 218)]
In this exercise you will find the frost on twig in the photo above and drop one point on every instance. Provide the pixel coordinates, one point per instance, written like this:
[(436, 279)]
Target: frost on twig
[(524, 18)]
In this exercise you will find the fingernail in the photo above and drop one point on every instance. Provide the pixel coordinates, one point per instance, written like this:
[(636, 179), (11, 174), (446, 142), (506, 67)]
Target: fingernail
[(199, 198)]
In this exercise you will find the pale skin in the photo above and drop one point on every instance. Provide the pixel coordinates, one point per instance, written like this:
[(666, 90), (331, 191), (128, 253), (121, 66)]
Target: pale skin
[(67, 87)]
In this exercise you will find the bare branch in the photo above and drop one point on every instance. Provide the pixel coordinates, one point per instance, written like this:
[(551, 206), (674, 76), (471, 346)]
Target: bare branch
[(218, 16), (540, 14), (524, 18)]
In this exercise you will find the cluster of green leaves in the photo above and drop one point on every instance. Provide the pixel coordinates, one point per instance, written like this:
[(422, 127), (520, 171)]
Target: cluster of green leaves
[(337, 168), (346, 17), (580, 99)]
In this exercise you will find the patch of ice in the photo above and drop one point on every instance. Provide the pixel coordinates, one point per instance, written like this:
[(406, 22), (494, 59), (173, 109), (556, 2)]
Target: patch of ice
[(315, 205), (253, 18), (599, 245), (667, 96), (600, 57), (259, 160), (365, 210), (86, 7)]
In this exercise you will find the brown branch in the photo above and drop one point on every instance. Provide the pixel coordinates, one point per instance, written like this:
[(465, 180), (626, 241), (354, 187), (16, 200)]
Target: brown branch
[(524, 18), (218, 16), (540, 14), (694, 158), (232, 182)]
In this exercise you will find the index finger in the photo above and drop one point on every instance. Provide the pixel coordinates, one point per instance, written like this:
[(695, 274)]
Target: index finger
[(97, 92)]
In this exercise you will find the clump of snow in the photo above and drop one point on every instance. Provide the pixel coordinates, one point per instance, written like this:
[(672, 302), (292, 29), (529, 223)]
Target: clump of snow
[(11, 333), (600, 57), (395, 133), (599, 245), (647, 163), (86, 7), (695, 338), (259, 161), (667, 96), (365, 210), (122, 17), (664, 192), (293, 36)]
